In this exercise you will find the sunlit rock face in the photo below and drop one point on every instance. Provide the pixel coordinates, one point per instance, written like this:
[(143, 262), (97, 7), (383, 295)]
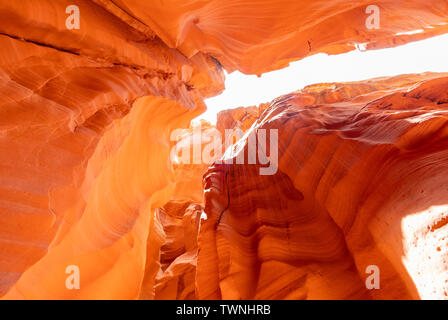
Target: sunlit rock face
[(83, 166), (178, 255), (362, 181), (170, 271), (267, 35), (87, 177), (239, 118)]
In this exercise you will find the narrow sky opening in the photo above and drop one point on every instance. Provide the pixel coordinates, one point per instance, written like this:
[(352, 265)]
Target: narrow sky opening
[(249, 90)]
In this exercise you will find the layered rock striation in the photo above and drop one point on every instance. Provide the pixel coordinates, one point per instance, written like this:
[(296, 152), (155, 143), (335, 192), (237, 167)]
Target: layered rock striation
[(87, 177), (361, 181)]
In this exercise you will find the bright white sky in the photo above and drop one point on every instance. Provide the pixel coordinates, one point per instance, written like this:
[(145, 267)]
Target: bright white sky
[(243, 90)]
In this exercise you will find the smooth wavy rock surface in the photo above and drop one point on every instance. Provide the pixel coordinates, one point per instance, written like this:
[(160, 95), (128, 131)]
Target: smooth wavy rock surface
[(70, 129), (87, 177), (256, 37), (178, 255), (362, 180)]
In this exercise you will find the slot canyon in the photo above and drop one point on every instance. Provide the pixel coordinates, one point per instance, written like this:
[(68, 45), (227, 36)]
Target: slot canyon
[(89, 178)]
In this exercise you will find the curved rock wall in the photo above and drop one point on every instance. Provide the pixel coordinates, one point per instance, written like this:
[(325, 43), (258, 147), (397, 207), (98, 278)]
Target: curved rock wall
[(361, 180), (87, 178)]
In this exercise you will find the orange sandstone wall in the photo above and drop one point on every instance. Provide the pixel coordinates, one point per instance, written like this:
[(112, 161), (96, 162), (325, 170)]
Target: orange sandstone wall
[(362, 180), (255, 37), (70, 127), (86, 176)]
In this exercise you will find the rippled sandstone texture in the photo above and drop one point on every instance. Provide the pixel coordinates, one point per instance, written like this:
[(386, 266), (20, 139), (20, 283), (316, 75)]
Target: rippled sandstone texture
[(85, 162), (86, 178), (362, 180)]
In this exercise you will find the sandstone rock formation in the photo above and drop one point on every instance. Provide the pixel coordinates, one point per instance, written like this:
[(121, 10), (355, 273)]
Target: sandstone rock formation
[(86, 177), (362, 181), (267, 35)]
